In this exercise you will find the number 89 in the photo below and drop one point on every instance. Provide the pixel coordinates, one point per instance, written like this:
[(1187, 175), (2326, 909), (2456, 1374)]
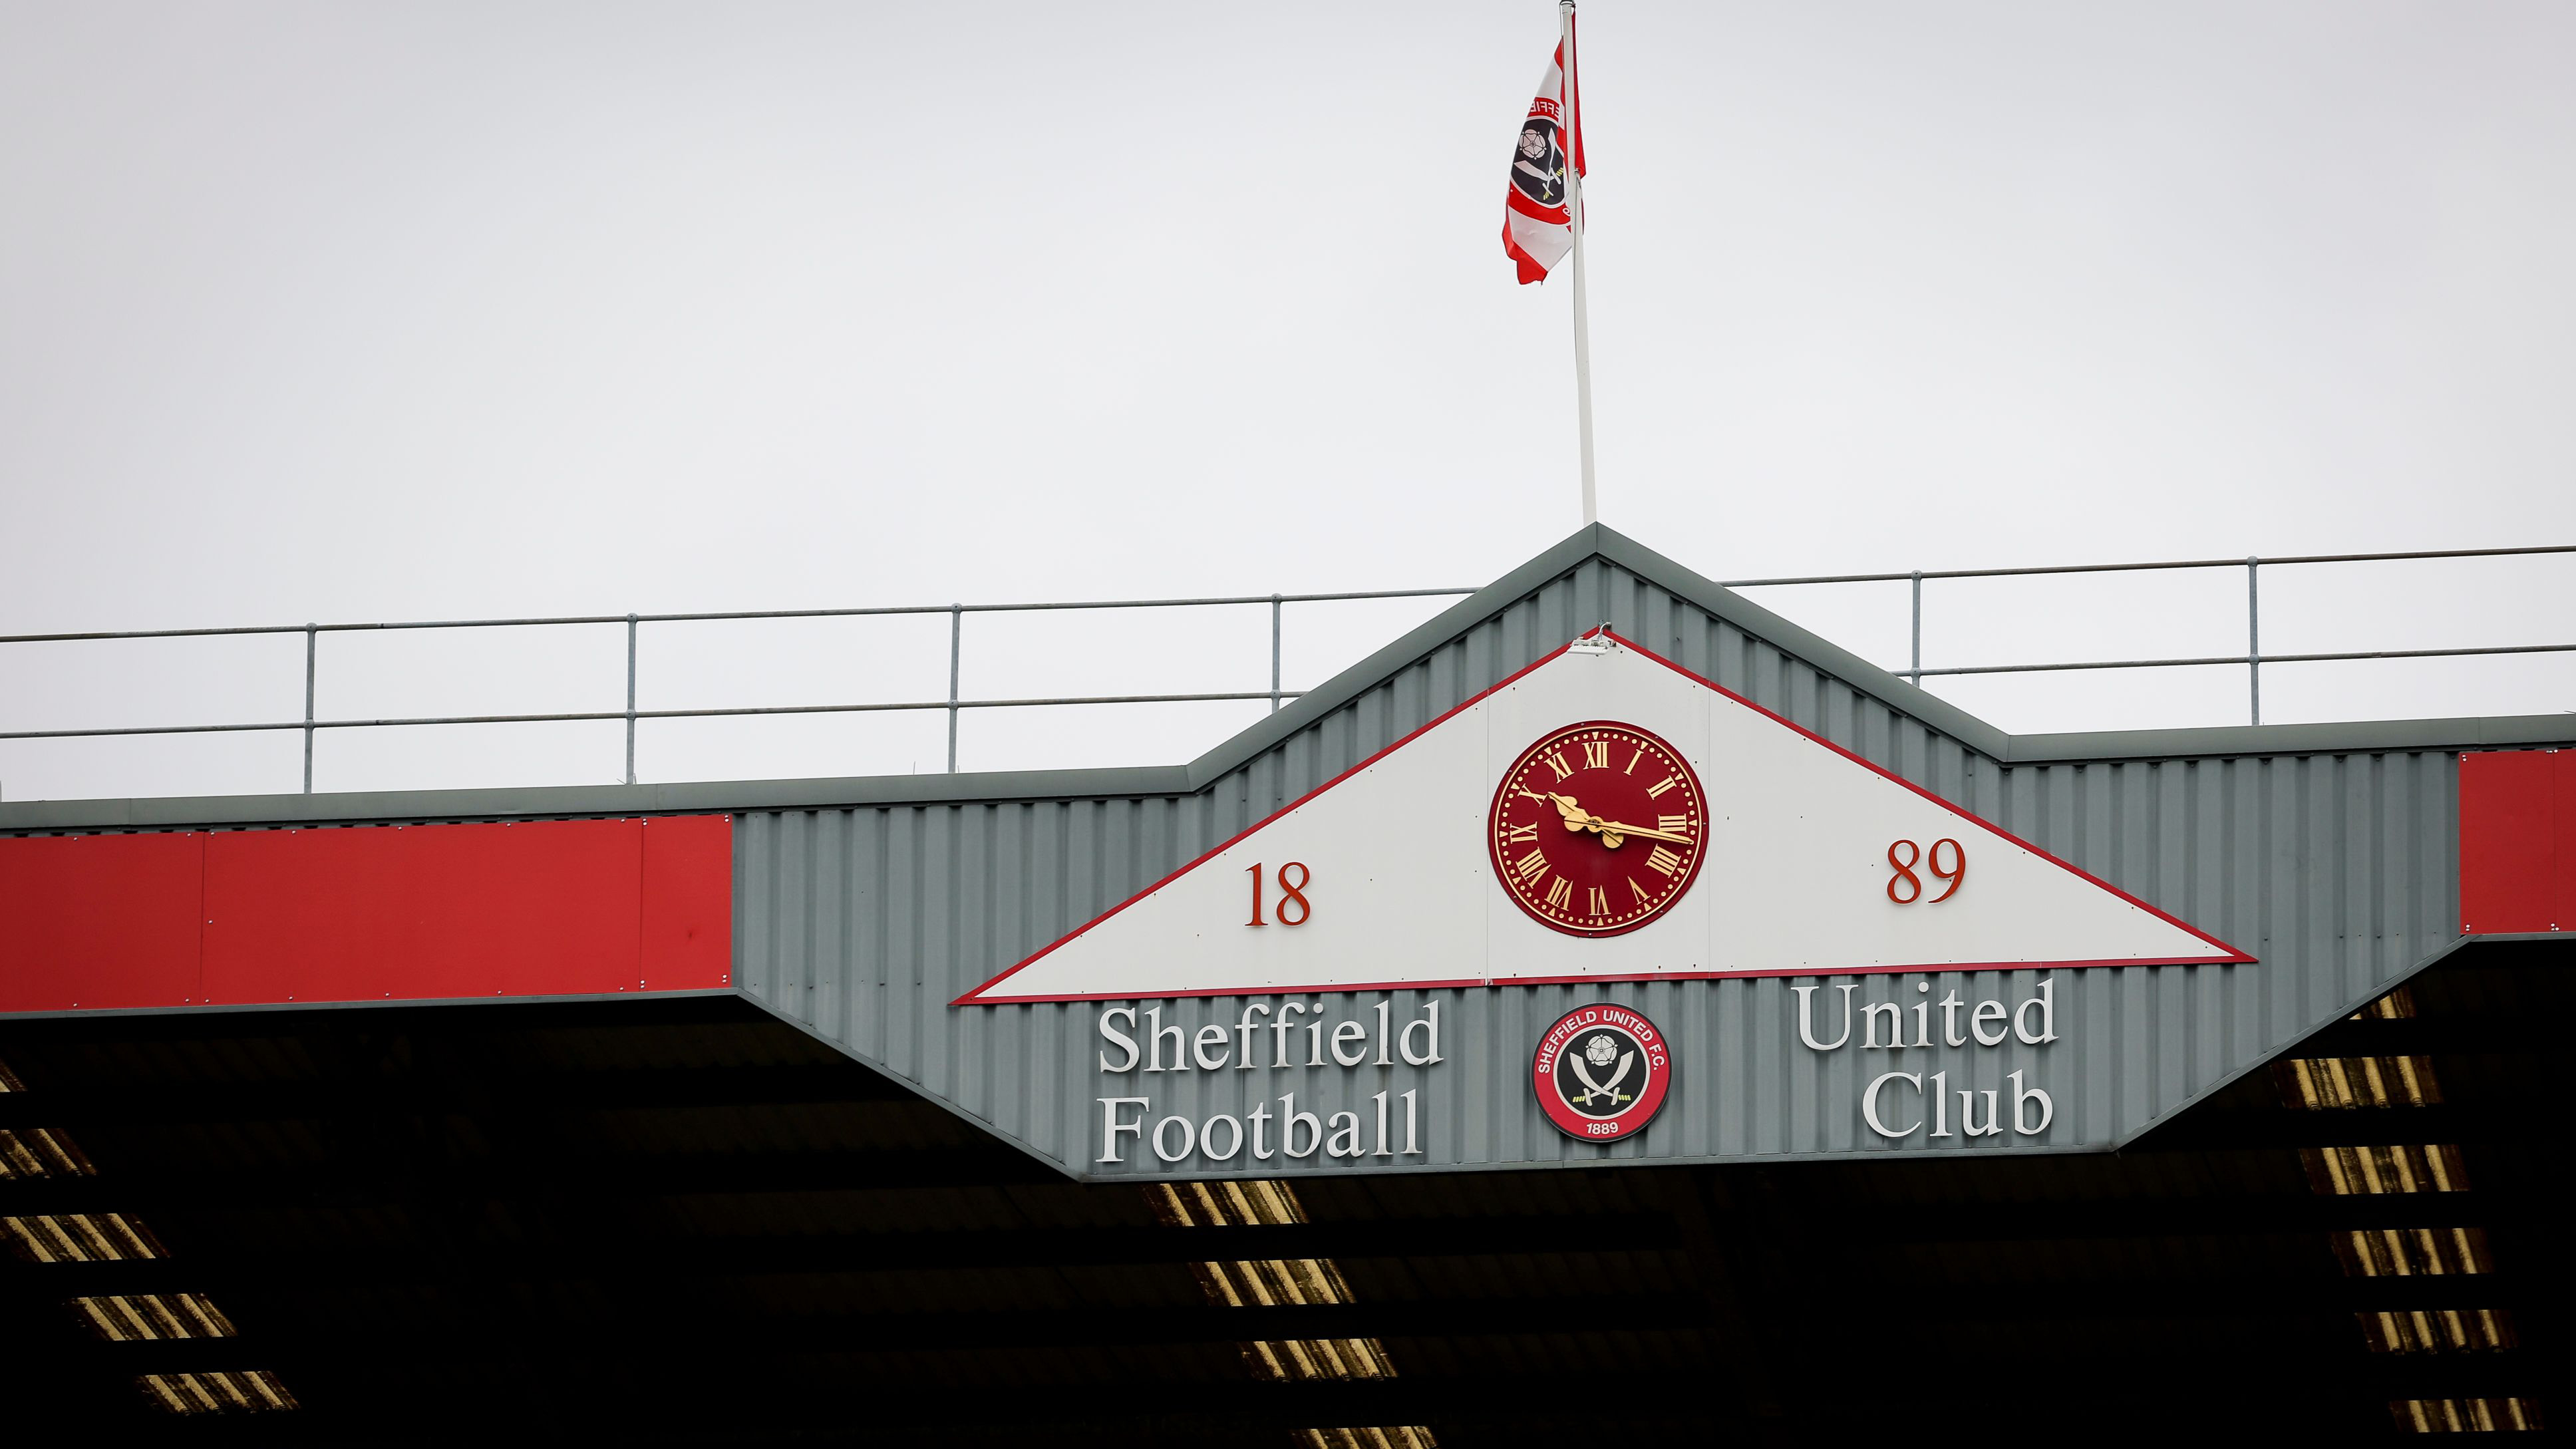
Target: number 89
[(1912, 884)]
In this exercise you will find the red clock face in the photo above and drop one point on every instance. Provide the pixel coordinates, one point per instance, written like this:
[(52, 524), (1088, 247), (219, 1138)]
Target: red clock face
[(1597, 828)]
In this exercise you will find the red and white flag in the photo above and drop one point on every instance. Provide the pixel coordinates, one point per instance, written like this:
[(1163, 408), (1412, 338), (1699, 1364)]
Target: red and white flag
[(1537, 228)]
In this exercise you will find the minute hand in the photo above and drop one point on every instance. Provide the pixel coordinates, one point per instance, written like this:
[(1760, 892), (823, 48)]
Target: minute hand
[(1613, 827)]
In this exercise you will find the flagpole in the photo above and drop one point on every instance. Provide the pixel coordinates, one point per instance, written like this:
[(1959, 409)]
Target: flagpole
[(1573, 122)]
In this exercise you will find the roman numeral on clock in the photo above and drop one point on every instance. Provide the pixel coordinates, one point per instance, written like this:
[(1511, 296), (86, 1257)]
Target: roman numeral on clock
[(1642, 897), (1656, 790), (1600, 901), (1557, 763), (1530, 867), (1596, 755), (1526, 835), (1560, 892), (1673, 824), (1663, 861)]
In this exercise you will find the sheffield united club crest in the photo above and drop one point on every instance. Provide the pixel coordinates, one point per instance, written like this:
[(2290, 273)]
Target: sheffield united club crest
[(1601, 1072), (1538, 161)]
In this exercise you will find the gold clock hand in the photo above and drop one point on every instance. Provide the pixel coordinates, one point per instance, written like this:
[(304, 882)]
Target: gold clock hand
[(1576, 818), (1613, 827)]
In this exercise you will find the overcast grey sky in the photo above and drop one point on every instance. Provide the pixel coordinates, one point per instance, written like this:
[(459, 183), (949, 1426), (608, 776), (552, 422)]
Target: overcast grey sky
[(429, 310)]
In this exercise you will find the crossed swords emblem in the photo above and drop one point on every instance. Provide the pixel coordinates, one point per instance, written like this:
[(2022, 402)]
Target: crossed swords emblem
[(1592, 1089)]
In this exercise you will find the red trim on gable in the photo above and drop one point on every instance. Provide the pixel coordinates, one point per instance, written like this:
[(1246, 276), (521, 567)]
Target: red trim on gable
[(1606, 979), (2225, 954)]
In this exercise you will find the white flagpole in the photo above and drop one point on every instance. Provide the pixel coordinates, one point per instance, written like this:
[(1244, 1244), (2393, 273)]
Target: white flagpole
[(1572, 122)]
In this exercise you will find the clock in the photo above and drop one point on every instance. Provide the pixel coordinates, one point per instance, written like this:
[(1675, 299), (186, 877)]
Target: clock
[(1597, 829)]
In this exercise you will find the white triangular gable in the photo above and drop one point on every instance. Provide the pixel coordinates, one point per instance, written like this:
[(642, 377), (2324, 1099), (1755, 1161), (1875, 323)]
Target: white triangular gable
[(1795, 880)]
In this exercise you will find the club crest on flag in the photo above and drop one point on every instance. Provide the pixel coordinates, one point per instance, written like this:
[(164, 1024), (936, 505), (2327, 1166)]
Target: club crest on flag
[(1538, 167)]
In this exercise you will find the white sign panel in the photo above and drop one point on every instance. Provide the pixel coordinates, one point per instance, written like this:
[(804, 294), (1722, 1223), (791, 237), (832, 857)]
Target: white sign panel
[(1604, 815)]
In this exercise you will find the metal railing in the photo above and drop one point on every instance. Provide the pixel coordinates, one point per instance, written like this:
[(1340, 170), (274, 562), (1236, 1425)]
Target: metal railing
[(634, 623), (2253, 658)]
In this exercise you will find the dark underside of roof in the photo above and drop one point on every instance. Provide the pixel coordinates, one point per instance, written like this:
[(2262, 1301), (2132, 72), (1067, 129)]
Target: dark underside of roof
[(682, 1221)]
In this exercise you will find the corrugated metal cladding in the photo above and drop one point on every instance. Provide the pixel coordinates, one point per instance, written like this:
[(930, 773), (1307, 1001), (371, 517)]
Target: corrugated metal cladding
[(2336, 870)]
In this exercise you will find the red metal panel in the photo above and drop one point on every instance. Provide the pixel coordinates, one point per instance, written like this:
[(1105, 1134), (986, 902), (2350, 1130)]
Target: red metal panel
[(100, 921), (423, 912), (688, 902), (2562, 905), (369, 913), (2514, 862)]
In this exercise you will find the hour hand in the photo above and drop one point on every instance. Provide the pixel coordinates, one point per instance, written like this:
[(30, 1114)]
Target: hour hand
[(1564, 804)]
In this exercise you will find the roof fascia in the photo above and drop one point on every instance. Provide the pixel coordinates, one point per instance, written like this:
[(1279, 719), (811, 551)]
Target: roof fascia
[(572, 801), (2354, 737)]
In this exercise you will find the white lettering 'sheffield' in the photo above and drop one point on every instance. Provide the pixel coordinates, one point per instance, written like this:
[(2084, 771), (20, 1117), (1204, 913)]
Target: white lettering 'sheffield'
[(1375, 1040)]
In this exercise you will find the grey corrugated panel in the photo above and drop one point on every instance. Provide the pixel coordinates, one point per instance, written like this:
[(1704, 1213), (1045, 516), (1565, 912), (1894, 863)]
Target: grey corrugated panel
[(2335, 868)]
